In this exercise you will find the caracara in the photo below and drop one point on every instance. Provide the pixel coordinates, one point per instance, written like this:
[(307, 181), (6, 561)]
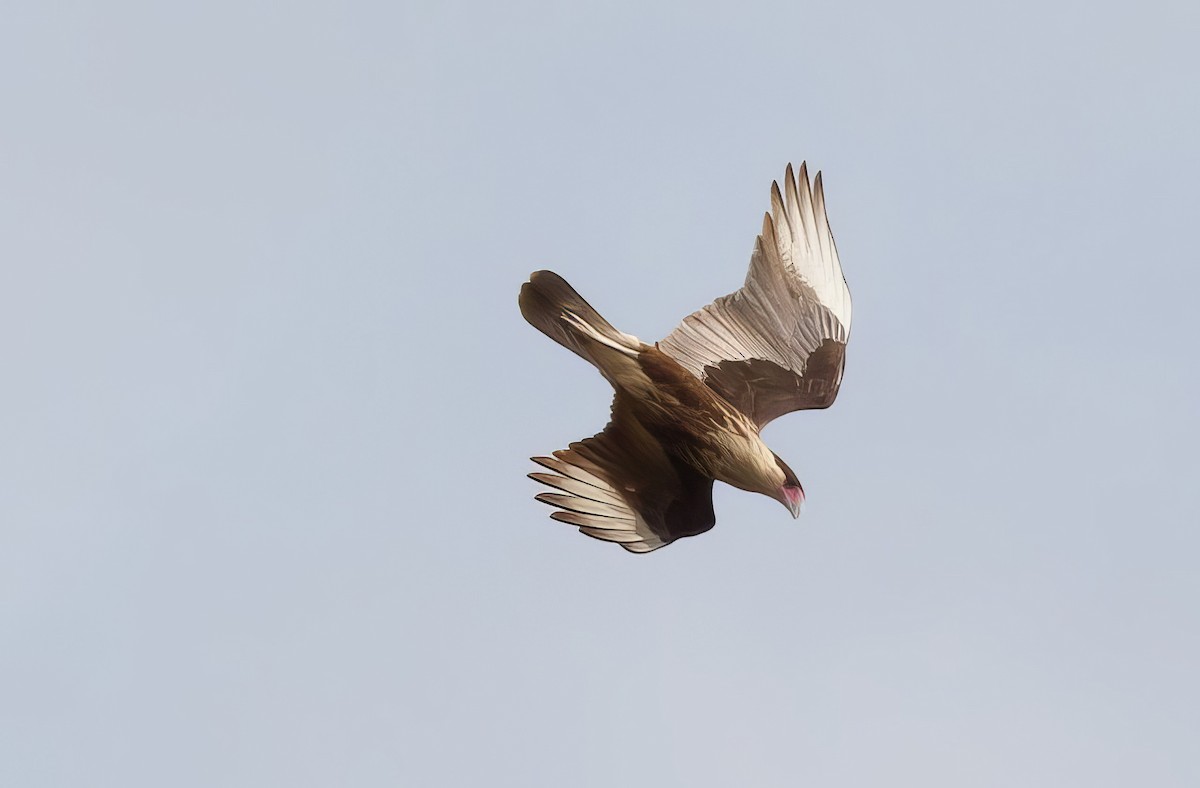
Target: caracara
[(688, 410)]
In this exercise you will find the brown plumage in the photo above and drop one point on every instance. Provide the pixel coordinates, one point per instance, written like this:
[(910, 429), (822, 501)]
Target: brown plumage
[(688, 410)]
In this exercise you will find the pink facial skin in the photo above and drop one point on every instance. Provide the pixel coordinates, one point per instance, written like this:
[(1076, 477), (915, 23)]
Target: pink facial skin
[(793, 498)]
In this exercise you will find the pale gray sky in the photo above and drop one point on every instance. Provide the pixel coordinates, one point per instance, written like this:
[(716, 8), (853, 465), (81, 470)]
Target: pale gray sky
[(267, 399)]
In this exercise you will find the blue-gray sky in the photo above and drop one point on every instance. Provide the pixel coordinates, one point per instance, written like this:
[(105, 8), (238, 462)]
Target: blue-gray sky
[(267, 399)]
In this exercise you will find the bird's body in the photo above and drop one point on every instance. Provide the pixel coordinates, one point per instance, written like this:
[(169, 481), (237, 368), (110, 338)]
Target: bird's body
[(694, 424), (688, 410)]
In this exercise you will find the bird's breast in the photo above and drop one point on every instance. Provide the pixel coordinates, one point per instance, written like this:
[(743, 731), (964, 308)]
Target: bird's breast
[(695, 424)]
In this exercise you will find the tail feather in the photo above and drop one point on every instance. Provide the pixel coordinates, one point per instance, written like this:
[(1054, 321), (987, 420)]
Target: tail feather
[(553, 307)]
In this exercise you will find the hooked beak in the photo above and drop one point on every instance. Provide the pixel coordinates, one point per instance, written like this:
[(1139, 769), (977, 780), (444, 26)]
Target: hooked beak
[(793, 499)]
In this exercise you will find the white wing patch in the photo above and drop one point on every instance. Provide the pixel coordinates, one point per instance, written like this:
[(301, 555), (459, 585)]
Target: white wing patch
[(592, 504), (805, 244)]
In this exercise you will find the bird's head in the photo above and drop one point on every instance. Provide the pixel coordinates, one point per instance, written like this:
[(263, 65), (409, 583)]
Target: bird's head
[(790, 493)]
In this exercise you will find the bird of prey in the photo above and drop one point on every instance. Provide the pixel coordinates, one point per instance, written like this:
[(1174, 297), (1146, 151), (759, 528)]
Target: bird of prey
[(688, 409)]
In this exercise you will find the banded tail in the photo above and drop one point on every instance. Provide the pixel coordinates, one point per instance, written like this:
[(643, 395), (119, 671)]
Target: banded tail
[(553, 307)]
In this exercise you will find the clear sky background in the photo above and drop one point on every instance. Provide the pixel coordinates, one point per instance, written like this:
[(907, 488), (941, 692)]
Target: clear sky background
[(267, 400)]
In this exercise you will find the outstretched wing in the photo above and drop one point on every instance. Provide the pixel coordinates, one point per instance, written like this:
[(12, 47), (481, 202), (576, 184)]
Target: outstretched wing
[(620, 486), (778, 344)]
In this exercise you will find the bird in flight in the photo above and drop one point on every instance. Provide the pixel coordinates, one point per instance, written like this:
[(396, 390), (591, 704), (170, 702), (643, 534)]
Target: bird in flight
[(688, 410)]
